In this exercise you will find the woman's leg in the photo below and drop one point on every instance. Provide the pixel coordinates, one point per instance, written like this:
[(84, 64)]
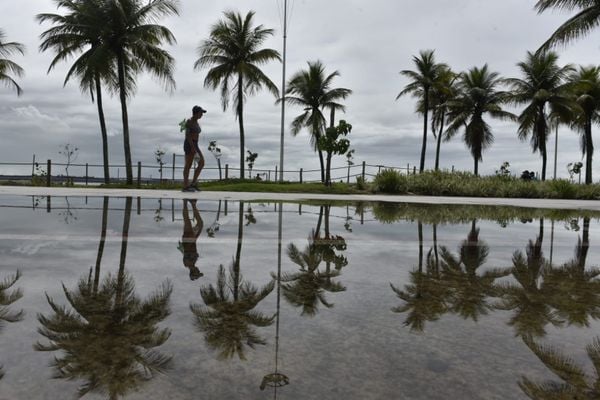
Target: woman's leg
[(189, 158), (199, 168)]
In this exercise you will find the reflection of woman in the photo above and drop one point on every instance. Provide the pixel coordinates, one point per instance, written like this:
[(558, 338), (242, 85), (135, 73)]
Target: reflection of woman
[(189, 238)]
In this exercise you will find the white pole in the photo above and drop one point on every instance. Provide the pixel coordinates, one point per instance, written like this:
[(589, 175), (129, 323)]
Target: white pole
[(283, 92)]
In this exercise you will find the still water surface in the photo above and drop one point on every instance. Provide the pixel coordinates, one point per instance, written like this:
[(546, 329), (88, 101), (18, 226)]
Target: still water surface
[(155, 299)]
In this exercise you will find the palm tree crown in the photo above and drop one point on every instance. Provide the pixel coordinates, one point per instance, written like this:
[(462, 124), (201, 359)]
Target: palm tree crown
[(234, 55), (8, 67), (543, 84), (425, 78), (311, 89), (477, 96)]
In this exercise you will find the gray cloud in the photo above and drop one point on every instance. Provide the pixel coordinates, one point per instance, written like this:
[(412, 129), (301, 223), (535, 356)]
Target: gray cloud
[(369, 45)]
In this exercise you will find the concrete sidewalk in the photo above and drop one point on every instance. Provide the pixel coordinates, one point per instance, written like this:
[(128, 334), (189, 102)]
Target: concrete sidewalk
[(249, 196)]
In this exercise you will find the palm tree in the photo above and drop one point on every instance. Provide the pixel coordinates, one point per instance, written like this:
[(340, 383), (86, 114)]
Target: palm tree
[(6, 299), (423, 80), (575, 288), (469, 290), (586, 89), (311, 90), (544, 84), (7, 66), (575, 383), (586, 18), (441, 94), (227, 317), (531, 299), (426, 298), (233, 52), (107, 334), (306, 288), (477, 97), (78, 33), (133, 38)]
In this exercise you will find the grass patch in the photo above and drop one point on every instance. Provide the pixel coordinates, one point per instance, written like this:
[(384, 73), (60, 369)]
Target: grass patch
[(468, 185)]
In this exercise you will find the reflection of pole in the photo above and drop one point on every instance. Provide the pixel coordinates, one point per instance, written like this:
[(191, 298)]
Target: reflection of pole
[(555, 149), (283, 92), (277, 379), (551, 241)]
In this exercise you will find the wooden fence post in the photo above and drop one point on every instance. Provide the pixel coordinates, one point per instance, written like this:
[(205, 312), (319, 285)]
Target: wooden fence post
[(33, 167), (86, 174), (48, 204), (276, 172), (407, 169), (173, 173), (300, 175), (364, 165), (49, 173), (139, 205), (226, 171), (139, 174)]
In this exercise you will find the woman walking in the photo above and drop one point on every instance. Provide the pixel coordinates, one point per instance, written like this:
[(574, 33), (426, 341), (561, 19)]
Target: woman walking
[(190, 147)]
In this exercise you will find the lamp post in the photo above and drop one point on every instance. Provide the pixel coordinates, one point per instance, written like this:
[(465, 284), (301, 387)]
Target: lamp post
[(283, 91)]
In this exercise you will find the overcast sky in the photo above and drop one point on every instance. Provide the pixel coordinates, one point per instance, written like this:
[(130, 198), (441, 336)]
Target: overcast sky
[(367, 42)]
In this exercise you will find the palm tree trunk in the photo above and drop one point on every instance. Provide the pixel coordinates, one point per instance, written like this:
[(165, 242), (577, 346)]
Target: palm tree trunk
[(589, 152), (238, 253), (322, 163), (240, 115), (318, 229), (101, 244), (476, 166), (424, 147), (125, 118), (435, 249), (123, 255), (585, 244), (439, 142), (544, 160), (328, 174), (102, 129), (542, 136)]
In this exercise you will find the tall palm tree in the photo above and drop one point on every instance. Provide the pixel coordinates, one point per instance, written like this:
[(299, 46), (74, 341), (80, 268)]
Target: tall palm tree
[(442, 93), (587, 17), (227, 318), (6, 299), (477, 97), (425, 78), (543, 85), (234, 54), (586, 90), (575, 383), (106, 333), (134, 38), (7, 66), (311, 89), (78, 34)]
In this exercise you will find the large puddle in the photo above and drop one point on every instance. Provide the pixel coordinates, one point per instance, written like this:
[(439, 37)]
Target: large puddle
[(171, 299)]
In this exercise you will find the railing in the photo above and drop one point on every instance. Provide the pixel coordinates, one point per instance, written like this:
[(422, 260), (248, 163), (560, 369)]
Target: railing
[(90, 174)]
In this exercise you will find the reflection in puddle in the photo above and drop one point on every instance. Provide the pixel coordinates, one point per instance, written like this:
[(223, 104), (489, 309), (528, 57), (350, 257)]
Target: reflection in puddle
[(312, 300)]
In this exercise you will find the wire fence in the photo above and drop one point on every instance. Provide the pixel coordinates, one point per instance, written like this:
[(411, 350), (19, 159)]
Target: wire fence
[(50, 172)]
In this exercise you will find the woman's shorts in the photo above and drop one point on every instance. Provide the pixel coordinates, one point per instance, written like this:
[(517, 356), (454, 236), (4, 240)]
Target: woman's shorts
[(187, 149)]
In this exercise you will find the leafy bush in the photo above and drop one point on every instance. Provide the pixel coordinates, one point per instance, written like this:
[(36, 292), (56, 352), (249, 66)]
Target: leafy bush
[(361, 184), (390, 181), (562, 189)]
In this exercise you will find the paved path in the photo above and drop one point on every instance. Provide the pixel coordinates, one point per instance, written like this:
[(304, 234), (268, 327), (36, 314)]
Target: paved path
[(247, 196)]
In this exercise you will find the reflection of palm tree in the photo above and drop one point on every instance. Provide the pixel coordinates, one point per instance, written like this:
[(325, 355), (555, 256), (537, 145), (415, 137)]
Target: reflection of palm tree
[(108, 334), (227, 320), (575, 383), (530, 299), (576, 292), (6, 299), (425, 299), (469, 290), (306, 288)]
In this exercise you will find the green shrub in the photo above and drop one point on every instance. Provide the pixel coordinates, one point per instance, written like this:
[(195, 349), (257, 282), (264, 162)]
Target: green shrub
[(390, 181), (562, 189), (361, 184)]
